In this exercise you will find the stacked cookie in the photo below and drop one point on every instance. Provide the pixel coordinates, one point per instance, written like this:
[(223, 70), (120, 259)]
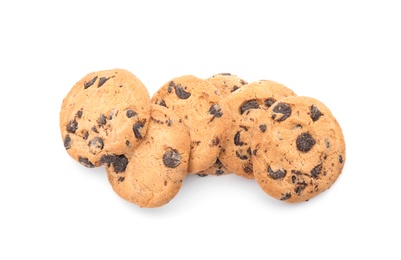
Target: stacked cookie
[(291, 145)]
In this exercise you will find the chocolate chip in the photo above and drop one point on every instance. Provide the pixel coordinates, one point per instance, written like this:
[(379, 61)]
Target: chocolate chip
[(249, 151), (102, 80), (202, 174), (121, 179), (237, 140), (170, 86), (262, 128), (293, 178), (279, 174), (102, 119), (340, 159), (162, 103), (300, 188), (94, 129), (219, 172), (72, 126), (315, 172), (327, 143), (234, 88), (296, 172), (315, 114), (171, 158), (241, 157), (244, 127), (215, 141), (90, 83), (85, 162), (305, 142), (181, 93), (248, 168), (215, 110), (130, 113), (250, 104), (269, 102), (127, 143), (79, 113), (86, 134), (283, 109), (67, 142), (119, 162), (136, 128), (286, 196), (96, 145)]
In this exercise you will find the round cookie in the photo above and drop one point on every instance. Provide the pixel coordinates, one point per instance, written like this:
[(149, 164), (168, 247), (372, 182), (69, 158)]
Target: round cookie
[(153, 175), (246, 105), (226, 83), (298, 149), (106, 112), (201, 108)]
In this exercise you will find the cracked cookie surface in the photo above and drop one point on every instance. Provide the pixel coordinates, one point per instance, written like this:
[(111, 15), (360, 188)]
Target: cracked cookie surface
[(154, 173), (200, 106), (246, 105), (104, 112), (298, 149)]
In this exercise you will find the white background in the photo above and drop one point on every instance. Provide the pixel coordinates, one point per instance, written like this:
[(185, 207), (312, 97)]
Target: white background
[(346, 54)]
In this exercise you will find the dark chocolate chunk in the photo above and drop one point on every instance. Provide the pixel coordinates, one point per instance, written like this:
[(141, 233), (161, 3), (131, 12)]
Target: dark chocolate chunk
[(269, 102), (315, 172), (340, 159), (286, 196), (162, 103), (279, 174), (315, 113), (241, 157), (119, 162), (301, 186), (181, 93), (283, 109), (102, 80), (215, 110), (136, 128), (170, 86), (86, 134), (94, 129), (234, 88), (249, 151), (79, 113), (130, 113), (171, 158), (72, 126), (248, 168), (305, 142), (121, 179), (219, 172), (237, 140), (250, 104), (67, 142), (293, 178), (85, 162), (90, 83), (296, 172), (96, 145), (262, 128), (127, 143), (102, 119)]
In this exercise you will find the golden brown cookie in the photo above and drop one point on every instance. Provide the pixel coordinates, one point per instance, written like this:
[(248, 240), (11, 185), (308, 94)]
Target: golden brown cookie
[(201, 108), (153, 175), (298, 149), (226, 83), (246, 105), (106, 112)]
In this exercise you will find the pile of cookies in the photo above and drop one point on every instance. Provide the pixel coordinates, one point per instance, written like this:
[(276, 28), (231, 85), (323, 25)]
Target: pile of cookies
[(291, 145)]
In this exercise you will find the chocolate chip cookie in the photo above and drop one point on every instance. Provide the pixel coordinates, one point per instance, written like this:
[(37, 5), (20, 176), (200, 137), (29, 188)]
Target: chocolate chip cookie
[(246, 105), (298, 149), (106, 112), (153, 175), (201, 108)]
